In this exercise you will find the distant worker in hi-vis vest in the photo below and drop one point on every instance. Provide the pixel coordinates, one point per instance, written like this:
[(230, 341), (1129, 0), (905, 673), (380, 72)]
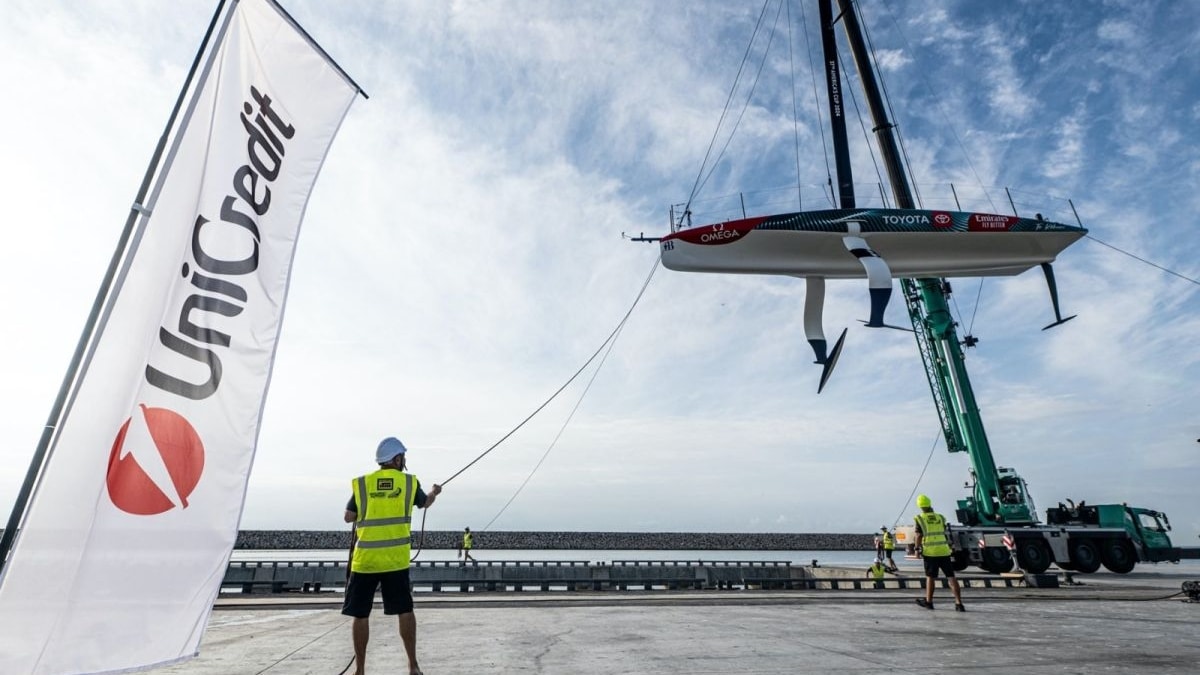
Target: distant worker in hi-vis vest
[(464, 548), (877, 571), (381, 510), (889, 545), (933, 541)]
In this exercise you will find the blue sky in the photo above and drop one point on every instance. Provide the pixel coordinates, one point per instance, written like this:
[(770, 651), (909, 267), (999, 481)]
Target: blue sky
[(462, 256)]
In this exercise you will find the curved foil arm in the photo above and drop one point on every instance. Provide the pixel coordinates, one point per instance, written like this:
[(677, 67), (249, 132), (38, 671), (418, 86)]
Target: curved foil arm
[(879, 276)]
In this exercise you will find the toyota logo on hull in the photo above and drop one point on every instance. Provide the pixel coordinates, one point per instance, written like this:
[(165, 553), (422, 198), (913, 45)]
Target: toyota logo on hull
[(155, 463)]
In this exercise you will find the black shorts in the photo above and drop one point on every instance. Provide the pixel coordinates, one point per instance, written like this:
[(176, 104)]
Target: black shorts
[(944, 563), (360, 593)]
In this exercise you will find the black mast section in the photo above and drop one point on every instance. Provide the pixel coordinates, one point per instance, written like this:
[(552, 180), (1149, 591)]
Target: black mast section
[(837, 111), (883, 127)]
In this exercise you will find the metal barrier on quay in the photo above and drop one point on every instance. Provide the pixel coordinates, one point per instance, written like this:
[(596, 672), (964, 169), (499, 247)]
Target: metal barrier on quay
[(573, 575)]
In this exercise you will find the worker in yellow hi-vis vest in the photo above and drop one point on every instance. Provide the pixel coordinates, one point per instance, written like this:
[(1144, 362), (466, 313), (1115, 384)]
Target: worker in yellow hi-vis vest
[(465, 546), (876, 571), (381, 510), (933, 541), (889, 545)]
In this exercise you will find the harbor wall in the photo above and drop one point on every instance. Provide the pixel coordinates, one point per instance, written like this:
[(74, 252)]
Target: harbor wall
[(619, 541)]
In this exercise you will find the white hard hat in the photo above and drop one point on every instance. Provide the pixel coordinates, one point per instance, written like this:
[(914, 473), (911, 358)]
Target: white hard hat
[(388, 449)]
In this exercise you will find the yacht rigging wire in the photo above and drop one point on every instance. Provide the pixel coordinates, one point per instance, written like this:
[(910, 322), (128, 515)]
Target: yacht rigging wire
[(1140, 259), (866, 135), (812, 69), (937, 104), (749, 96), (729, 99), (891, 112), (795, 109)]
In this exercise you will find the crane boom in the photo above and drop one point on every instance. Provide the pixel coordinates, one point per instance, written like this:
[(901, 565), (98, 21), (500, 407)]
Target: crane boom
[(999, 495)]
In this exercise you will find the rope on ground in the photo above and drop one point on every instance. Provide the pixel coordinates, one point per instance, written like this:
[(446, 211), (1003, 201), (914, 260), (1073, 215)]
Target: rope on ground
[(306, 644)]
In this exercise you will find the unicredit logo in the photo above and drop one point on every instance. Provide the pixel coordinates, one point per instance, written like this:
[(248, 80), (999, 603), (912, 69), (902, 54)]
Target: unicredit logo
[(155, 463), (157, 457), (223, 250)]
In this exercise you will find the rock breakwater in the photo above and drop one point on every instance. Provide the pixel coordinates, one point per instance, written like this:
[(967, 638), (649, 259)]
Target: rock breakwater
[(616, 541)]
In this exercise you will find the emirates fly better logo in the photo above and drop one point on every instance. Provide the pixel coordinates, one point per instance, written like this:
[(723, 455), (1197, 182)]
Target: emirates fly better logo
[(157, 458), (155, 463)]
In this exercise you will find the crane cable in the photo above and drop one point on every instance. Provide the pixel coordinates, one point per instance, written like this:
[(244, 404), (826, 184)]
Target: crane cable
[(917, 484), (611, 339)]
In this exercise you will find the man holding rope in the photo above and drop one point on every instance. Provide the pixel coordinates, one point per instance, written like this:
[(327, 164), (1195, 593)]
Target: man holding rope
[(381, 510)]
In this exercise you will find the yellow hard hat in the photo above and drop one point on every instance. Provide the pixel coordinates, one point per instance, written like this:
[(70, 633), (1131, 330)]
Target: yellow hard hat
[(923, 502)]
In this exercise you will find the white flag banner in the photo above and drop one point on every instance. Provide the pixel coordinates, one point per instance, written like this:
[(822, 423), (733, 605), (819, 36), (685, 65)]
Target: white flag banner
[(128, 535)]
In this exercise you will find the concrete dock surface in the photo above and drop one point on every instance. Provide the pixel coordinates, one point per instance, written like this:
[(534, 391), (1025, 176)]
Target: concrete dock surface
[(1134, 623)]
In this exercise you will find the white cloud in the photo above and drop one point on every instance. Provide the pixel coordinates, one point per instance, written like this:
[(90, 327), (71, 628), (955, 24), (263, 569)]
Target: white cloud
[(1068, 153)]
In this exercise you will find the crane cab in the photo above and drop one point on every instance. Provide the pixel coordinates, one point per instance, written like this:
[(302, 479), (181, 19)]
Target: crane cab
[(1009, 503)]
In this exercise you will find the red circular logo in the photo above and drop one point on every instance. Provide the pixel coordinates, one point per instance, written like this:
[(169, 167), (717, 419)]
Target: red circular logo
[(154, 466), (942, 219)]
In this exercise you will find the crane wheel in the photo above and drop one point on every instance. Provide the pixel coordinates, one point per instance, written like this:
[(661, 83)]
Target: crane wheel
[(1033, 555), (996, 560), (1118, 556), (1085, 556)]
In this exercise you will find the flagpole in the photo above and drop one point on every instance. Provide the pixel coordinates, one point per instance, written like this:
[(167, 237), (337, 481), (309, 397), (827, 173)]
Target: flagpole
[(136, 210)]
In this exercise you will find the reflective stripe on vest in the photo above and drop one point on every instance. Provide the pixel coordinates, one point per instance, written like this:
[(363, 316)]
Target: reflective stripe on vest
[(889, 543), (934, 543), (384, 500)]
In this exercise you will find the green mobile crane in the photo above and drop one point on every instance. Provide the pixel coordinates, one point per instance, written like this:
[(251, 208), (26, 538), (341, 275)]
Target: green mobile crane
[(999, 496), (998, 520)]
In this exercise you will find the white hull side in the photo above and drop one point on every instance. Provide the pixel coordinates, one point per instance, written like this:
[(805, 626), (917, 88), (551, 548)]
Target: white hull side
[(908, 254)]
